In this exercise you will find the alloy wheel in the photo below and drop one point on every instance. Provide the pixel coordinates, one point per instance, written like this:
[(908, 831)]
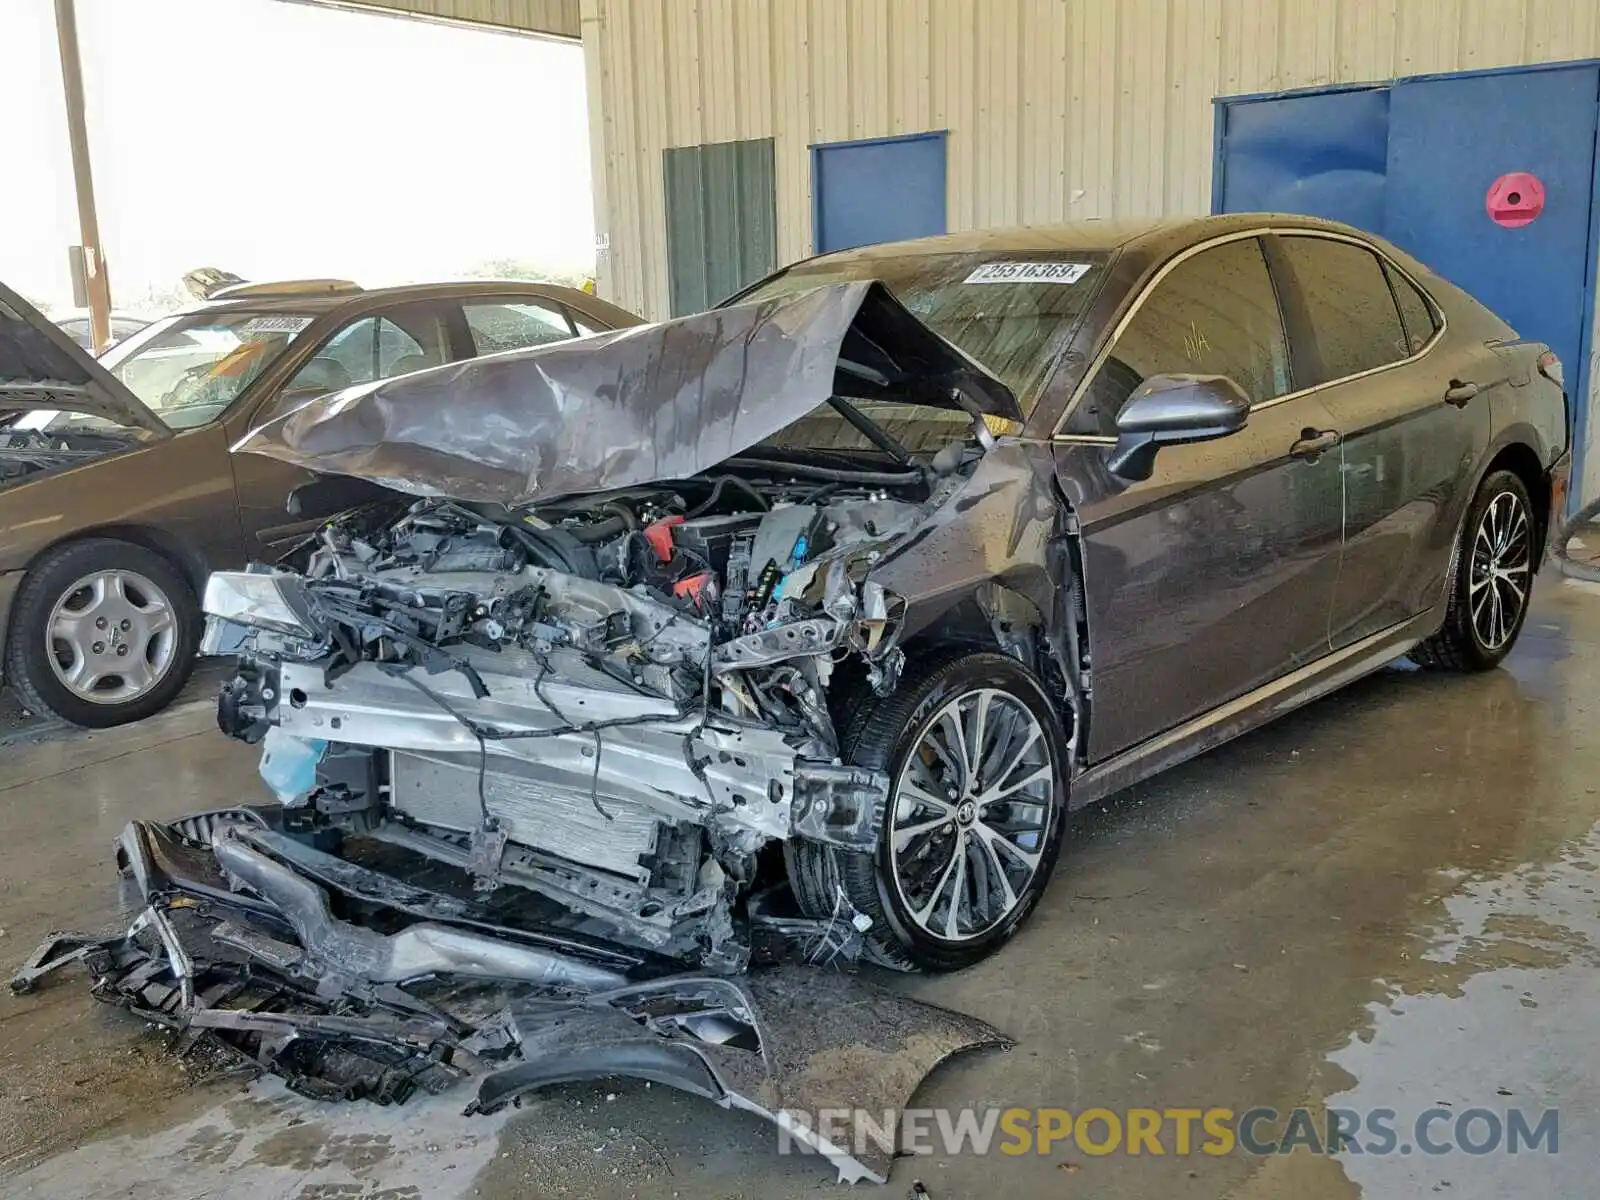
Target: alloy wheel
[(970, 814), (113, 636), (1502, 565)]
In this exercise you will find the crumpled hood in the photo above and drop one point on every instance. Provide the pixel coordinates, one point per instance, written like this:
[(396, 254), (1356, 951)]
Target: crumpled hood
[(41, 367), (654, 402)]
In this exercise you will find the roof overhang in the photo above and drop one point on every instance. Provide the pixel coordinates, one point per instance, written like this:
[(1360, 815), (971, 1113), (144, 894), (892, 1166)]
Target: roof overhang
[(536, 18)]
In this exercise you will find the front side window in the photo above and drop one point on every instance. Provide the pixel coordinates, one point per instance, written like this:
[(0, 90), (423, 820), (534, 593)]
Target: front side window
[(189, 368), (515, 325), (1354, 322), (1212, 314)]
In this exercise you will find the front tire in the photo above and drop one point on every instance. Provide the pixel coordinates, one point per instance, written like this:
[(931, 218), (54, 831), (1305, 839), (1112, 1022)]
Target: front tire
[(1491, 580), (103, 632), (977, 763)]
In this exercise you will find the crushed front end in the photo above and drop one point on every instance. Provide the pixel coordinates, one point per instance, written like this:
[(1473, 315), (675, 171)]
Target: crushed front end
[(616, 702), (353, 983)]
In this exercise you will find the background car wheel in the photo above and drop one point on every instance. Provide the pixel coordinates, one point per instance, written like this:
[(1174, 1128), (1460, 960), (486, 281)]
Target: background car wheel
[(103, 632), (977, 764), (1491, 580)]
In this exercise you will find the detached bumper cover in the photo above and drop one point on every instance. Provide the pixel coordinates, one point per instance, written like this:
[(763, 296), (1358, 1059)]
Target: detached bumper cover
[(350, 983)]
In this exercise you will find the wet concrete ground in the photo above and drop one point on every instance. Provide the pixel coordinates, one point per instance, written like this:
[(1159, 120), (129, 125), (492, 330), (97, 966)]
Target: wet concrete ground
[(1385, 900)]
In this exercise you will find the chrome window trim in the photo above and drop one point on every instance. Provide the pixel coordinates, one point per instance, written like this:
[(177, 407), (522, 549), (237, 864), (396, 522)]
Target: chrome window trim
[(1200, 247)]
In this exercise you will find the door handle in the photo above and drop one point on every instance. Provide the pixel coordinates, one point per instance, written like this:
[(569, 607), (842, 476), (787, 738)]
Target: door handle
[(1459, 392), (1314, 442)]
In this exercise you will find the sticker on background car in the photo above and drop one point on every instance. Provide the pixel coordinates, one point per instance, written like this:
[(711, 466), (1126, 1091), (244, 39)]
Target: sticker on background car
[(276, 324)]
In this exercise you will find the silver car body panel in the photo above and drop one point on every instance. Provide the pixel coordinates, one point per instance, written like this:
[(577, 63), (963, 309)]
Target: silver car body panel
[(654, 402)]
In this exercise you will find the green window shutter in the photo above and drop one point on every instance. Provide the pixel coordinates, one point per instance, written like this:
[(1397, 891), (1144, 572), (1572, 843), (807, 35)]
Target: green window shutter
[(721, 220)]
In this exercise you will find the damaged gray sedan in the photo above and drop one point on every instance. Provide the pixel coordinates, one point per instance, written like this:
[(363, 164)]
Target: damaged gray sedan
[(795, 590), (643, 648), (790, 631)]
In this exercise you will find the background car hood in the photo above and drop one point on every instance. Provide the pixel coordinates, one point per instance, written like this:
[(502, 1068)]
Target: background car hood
[(41, 367), (653, 402)]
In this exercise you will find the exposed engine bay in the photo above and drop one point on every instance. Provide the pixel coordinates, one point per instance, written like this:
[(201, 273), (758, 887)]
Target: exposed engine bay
[(615, 701)]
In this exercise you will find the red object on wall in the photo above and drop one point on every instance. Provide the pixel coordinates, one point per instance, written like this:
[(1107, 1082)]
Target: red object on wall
[(1515, 199)]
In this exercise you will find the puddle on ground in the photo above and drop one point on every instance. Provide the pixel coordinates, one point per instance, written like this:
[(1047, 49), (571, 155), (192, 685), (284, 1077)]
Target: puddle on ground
[(1497, 1012), (268, 1144), (1494, 1009)]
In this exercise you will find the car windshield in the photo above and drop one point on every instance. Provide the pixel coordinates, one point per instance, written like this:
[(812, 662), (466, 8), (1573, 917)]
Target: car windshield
[(1010, 311), (187, 369)]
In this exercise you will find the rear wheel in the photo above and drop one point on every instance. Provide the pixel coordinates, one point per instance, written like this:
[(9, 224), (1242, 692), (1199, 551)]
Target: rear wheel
[(103, 632), (1491, 580), (976, 759)]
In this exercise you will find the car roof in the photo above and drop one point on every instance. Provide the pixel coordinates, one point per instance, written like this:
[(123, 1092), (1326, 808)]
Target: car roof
[(1093, 235), (364, 299)]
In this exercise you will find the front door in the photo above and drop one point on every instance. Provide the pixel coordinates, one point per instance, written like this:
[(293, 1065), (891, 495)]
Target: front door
[(1215, 575)]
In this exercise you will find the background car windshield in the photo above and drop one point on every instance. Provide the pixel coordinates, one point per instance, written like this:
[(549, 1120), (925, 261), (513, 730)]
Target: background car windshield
[(189, 368), (1012, 312)]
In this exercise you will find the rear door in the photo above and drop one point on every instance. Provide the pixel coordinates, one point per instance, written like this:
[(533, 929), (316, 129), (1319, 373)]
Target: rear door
[(1216, 574), (1368, 338)]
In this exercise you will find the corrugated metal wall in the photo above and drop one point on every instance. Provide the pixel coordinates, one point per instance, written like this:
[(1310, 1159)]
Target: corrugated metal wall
[(719, 211), (559, 18), (1056, 109)]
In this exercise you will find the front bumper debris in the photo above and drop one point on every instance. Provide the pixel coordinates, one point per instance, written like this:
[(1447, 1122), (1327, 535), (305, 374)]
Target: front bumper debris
[(351, 983)]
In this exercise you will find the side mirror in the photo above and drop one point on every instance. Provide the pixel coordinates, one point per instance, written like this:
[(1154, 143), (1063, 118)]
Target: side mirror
[(1166, 410)]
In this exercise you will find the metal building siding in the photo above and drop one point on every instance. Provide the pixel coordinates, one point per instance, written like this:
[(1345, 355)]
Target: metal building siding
[(1056, 109), (559, 18)]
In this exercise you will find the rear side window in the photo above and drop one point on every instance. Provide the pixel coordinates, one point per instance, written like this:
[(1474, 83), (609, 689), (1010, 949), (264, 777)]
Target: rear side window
[(1212, 314), (515, 325), (1355, 325), (1415, 311)]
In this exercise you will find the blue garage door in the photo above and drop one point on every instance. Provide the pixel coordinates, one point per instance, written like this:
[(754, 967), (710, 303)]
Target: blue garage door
[(1414, 162), (1449, 140), (883, 190), (1324, 156)]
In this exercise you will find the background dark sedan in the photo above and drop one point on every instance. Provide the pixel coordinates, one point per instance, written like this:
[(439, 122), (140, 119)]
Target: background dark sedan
[(117, 491)]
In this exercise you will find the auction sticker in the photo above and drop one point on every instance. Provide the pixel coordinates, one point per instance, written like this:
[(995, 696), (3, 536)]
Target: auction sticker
[(1029, 272), (276, 324)]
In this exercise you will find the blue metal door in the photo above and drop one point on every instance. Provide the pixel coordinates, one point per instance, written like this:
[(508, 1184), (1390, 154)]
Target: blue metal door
[(1323, 154), (882, 190), (1450, 138), (1415, 161)]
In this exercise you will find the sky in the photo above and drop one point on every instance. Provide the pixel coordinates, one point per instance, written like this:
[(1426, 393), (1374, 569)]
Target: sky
[(280, 140)]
